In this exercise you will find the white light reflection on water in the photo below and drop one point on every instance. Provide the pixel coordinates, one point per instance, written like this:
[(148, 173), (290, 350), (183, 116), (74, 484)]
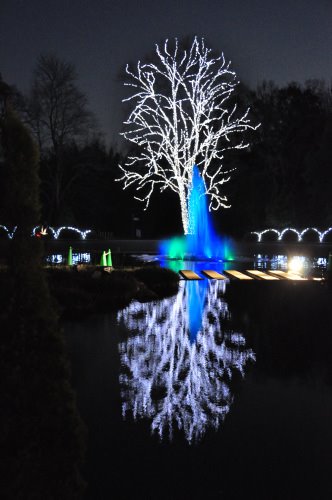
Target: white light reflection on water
[(320, 262), (176, 369), (284, 262), (78, 258), (271, 262), (55, 258)]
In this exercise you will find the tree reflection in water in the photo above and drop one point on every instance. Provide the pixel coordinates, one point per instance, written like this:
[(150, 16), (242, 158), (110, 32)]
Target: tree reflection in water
[(178, 363)]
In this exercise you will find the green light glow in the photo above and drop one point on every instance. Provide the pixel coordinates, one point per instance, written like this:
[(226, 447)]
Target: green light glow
[(202, 243), (103, 261), (228, 254), (175, 265), (177, 248), (109, 258), (70, 256)]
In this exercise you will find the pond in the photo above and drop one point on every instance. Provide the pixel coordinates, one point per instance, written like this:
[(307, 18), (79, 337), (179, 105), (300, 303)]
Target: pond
[(223, 391), (308, 265)]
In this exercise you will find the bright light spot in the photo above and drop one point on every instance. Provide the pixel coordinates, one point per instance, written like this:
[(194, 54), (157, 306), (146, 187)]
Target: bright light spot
[(296, 265)]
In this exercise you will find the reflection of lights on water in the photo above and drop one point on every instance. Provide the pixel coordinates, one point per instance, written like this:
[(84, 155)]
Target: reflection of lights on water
[(81, 258), (78, 258), (280, 259), (297, 264), (320, 262), (274, 262), (176, 370), (193, 265), (55, 259)]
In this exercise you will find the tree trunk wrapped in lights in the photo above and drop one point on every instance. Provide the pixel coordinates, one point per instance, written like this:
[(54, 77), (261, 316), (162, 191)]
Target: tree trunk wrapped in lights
[(183, 115)]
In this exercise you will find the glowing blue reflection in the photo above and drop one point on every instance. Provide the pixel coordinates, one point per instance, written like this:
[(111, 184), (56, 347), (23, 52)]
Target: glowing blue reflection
[(196, 298), (177, 370), (195, 290)]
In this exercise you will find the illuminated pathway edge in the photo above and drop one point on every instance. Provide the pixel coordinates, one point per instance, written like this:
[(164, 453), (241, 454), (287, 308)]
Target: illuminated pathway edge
[(248, 275)]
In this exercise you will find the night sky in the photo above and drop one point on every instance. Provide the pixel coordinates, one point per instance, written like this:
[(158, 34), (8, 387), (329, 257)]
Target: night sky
[(284, 40)]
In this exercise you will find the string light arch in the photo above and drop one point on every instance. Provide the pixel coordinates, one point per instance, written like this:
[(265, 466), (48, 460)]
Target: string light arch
[(55, 232), (299, 234)]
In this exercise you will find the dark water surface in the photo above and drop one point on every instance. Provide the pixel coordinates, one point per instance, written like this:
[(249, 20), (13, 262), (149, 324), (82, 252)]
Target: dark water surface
[(222, 392)]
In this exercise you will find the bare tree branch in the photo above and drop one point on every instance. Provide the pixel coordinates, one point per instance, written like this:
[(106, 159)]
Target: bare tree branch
[(182, 116)]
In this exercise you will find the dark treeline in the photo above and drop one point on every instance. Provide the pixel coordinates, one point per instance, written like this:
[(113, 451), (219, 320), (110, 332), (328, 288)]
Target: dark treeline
[(43, 439), (283, 178)]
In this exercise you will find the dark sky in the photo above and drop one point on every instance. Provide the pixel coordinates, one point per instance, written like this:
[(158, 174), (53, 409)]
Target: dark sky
[(280, 40)]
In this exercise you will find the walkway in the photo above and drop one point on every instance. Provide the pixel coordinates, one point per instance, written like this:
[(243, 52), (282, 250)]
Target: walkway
[(248, 275)]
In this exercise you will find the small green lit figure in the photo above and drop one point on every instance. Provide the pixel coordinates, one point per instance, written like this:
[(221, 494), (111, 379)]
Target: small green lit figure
[(109, 258), (103, 259), (70, 256)]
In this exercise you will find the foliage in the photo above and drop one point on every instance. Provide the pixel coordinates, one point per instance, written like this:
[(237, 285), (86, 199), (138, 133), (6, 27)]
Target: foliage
[(21, 174), (57, 110), (42, 434), (160, 280), (285, 177), (91, 290), (57, 113)]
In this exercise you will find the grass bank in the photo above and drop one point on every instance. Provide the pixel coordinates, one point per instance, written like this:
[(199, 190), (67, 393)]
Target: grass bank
[(83, 290)]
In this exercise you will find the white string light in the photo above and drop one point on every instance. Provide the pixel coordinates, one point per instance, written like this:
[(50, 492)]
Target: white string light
[(55, 232), (324, 233), (180, 118), (300, 234), (10, 234), (290, 229)]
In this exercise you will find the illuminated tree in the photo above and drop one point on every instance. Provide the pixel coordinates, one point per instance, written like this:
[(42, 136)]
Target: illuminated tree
[(183, 115), (173, 378)]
